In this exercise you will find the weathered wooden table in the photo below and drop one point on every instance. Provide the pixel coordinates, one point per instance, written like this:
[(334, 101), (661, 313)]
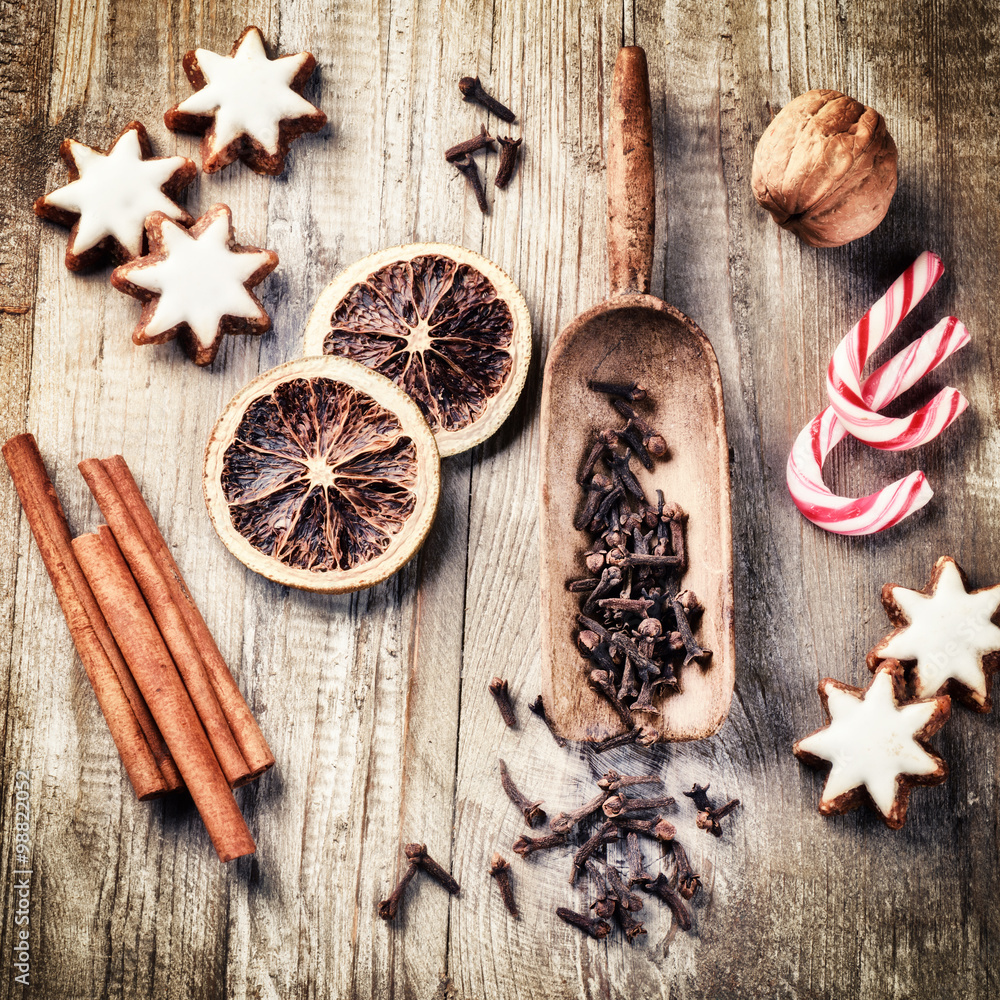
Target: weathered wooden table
[(376, 705)]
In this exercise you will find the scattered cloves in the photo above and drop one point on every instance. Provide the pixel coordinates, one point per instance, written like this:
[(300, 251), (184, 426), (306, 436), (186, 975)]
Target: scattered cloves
[(500, 870), (467, 166), (509, 154), (498, 688), (417, 854), (596, 928), (533, 814), (482, 141), (472, 90)]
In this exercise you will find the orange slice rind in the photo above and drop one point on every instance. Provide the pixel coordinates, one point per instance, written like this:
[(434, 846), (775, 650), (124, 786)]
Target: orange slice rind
[(443, 323), (322, 475)]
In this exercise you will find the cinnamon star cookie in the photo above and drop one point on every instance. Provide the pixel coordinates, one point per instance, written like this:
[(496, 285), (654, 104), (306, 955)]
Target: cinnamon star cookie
[(947, 632), (247, 105), (196, 284), (110, 195), (875, 746)]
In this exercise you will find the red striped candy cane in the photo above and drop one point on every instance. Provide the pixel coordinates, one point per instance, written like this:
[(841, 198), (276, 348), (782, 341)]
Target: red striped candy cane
[(880, 510), (843, 382)]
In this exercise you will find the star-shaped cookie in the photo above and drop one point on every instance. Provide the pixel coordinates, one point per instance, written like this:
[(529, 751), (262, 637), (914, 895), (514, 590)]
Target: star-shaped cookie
[(874, 745), (196, 283), (947, 632), (110, 195), (247, 105)]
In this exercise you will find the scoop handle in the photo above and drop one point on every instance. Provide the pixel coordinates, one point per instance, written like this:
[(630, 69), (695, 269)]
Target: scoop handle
[(630, 177)]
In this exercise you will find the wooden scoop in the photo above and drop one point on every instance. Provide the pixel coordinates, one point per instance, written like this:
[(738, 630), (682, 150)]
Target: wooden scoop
[(635, 336)]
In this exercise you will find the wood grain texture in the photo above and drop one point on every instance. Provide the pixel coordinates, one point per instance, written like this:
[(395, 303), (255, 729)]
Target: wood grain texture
[(376, 705)]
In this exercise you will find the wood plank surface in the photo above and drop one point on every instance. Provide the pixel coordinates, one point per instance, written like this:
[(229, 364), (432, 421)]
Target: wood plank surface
[(376, 705)]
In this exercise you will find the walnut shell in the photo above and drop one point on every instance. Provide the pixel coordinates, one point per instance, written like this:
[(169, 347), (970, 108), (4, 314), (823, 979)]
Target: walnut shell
[(825, 168)]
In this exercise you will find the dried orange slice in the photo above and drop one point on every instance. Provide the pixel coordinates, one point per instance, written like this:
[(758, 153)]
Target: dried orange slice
[(322, 474), (440, 321)]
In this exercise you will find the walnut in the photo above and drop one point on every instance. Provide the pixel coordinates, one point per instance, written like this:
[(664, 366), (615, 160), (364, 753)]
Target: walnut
[(825, 168)]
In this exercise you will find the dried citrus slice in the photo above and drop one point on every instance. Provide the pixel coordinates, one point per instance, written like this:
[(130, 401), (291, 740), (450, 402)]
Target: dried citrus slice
[(443, 323), (322, 474)]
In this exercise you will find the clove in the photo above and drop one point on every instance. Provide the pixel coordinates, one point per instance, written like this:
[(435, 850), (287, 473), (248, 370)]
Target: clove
[(637, 874), (708, 817), (388, 908), (614, 782), (658, 828), (632, 391), (565, 821), (500, 870), (620, 805), (604, 904), (533, 814), (417, 853), (652, 440), (509, 153), (626, 900), (472, 90), (482, 141), (467, 166), (687, 880), (605, 834), (528, 845), (645, 736), (694, 652), (600, 681), (661, 887), (596, 928), (538, 708), (498, 688)]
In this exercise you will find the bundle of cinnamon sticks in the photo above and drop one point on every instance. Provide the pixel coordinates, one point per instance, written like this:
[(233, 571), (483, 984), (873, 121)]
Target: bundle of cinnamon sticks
[(173, 708)]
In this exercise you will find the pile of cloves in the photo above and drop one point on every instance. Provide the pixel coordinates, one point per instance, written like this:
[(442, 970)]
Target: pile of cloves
[(460, 155), (619, 811), (635, 626)]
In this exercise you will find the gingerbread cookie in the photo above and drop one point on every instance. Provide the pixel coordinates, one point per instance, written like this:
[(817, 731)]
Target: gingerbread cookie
[(948, 634), (110, 195), (247, 105), (875, 746), (196, 284)]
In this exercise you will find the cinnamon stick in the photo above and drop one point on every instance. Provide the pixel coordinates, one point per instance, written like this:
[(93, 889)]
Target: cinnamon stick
[(168, 618), (242, 724), (154, 671), (51, 532), (157, 744)]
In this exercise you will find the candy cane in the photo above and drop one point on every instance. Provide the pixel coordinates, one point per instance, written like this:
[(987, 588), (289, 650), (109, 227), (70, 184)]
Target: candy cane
[(843, 382), (888, 506)]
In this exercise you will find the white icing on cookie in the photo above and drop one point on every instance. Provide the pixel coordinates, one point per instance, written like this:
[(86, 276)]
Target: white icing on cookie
[(199, 282), (870, 741), (248, 93), (949, 633), (115, 192)]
